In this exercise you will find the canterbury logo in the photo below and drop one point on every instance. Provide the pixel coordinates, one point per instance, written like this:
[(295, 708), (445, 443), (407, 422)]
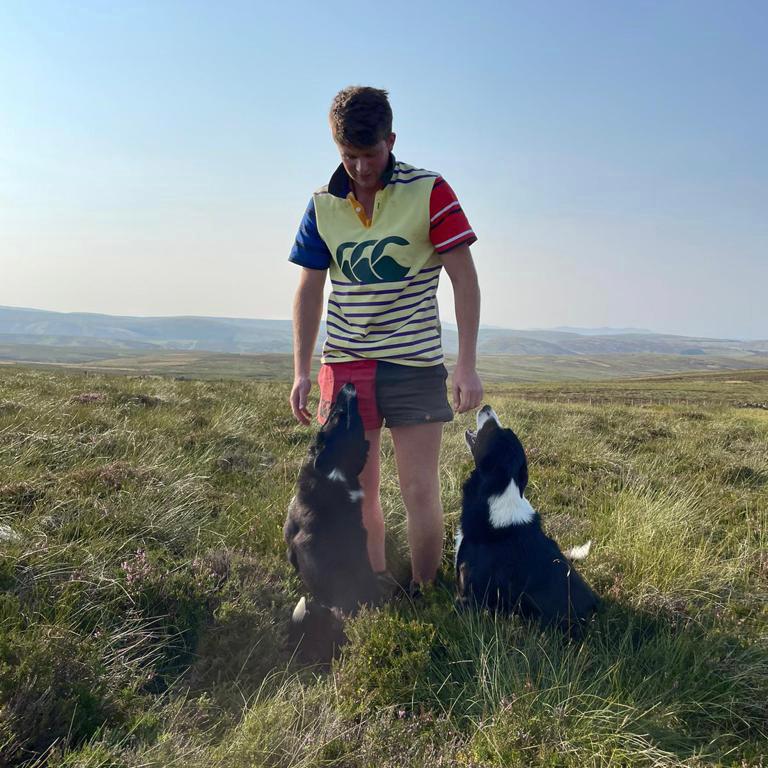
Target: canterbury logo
[(366, 262)]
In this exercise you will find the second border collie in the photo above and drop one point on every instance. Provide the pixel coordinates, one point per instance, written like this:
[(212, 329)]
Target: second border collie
[(504, 561), (327, 543)]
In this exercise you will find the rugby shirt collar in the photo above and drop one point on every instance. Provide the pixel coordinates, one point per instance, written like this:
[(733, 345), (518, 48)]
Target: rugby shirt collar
[(340, 184)]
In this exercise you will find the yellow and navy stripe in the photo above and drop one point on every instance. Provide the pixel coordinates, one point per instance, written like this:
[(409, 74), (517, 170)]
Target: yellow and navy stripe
[(384, 270)]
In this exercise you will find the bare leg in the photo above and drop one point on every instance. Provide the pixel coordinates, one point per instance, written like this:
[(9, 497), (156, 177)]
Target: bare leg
[(417, 452), (373, 517)]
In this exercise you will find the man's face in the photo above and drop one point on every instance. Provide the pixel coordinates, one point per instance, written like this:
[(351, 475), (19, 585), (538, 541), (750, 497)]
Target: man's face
[(364, 165)]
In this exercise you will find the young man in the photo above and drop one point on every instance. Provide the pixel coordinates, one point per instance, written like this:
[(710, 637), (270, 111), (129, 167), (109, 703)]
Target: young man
[(385, 230)]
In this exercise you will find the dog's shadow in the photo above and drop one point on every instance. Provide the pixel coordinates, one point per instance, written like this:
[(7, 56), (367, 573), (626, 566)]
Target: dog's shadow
[(674, 675)]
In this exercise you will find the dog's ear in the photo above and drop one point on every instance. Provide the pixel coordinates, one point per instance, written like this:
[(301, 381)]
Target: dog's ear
[(323, 462), (359, 465), (522, 477), (488, 464)]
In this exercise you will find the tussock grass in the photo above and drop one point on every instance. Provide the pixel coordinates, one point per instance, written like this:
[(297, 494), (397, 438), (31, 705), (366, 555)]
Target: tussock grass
[(144, 592)]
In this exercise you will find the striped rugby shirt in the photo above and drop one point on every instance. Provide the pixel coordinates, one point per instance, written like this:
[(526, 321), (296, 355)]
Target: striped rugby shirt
[(384, 271)]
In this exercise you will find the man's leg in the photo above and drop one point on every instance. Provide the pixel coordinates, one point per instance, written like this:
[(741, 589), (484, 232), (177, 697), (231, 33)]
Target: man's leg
[(417, 452), (373, 517)]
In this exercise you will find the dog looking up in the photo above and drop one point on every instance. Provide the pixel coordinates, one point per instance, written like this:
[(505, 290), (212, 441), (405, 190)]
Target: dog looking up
[(504, 561), (327, 543)]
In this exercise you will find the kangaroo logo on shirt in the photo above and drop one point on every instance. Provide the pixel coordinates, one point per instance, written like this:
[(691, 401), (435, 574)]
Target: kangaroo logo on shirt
[(366, 262)]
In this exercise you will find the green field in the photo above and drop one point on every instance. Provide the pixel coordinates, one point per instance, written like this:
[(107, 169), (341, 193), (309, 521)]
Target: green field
[(144, 592), (494, 368)]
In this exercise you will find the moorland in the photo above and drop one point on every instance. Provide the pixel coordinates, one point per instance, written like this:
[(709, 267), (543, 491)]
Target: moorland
[(145, 594)]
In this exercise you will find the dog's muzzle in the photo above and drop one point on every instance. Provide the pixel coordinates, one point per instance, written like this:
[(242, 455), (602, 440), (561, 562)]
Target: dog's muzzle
[(346, 401), (485, 414)]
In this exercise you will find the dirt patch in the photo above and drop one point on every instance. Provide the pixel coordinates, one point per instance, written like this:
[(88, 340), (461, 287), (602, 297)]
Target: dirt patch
[(86, 398)]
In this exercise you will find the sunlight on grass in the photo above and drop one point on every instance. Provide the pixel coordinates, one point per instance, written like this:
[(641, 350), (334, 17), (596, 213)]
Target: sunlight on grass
[(144, 591)]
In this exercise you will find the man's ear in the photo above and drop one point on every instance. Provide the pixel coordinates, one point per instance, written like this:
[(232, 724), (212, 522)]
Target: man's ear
[(391, 141)]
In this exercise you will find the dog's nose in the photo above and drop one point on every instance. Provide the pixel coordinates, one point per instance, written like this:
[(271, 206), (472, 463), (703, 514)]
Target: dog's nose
[(348, 390), (485, 415)]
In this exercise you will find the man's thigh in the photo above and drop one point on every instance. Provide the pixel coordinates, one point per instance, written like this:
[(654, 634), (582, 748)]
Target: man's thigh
[(417, 452), (412, 395), (362, 373)]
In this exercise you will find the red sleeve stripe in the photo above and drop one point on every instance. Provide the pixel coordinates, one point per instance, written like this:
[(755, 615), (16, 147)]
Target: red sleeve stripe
[(451, 241), (454, 204), (441, 195), (448, 224), (454, 212)]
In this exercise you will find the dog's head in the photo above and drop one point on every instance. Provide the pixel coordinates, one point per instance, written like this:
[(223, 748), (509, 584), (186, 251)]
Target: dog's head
[(340, 444), (498, 453)]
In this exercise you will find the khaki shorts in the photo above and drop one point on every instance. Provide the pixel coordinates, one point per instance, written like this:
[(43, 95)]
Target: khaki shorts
[(388, 394)]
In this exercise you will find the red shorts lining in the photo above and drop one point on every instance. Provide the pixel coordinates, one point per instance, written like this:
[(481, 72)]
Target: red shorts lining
[(361, 373)]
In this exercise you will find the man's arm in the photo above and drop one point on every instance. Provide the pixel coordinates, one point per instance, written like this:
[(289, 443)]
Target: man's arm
[(467, 387), (307, 313)]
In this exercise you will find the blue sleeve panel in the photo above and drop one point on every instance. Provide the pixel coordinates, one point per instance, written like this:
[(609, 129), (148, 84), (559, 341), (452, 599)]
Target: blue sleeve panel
[(309, 249)]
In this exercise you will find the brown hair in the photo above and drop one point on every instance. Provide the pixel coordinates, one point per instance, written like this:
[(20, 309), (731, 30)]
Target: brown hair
[(361, 116)]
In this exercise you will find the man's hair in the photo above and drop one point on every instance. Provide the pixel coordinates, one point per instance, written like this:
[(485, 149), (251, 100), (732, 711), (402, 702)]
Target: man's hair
[(361, 116)]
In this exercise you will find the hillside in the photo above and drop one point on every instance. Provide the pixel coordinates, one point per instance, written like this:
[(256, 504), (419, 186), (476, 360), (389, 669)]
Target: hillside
[(92, 333)]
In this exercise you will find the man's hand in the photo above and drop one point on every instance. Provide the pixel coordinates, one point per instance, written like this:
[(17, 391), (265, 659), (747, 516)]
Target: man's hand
[(467, 388), (299, 395)]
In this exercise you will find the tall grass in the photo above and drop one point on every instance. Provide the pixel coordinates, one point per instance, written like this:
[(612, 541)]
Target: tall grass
[(144, 592)]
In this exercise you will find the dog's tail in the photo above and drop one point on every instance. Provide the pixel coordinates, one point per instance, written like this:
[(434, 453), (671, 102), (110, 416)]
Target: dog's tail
[(316, 631), (579, 553)]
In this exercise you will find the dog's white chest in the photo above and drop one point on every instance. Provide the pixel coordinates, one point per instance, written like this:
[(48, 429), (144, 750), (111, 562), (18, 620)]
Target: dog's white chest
[(509, 508), (338, 476)]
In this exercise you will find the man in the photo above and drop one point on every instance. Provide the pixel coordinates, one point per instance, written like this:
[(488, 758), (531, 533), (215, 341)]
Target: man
[(385, 230)]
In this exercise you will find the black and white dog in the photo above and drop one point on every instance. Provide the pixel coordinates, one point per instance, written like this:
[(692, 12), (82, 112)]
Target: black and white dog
[(327, 543), (504, 561)]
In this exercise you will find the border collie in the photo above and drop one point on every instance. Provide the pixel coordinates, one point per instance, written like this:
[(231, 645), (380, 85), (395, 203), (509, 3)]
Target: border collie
[(327, 543), (504, 561)]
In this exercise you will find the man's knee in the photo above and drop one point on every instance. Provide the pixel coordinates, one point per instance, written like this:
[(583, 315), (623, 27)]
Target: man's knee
[(422, 496)]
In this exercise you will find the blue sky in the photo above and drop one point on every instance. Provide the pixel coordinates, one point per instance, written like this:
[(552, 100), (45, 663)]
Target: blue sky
[(156, 157)]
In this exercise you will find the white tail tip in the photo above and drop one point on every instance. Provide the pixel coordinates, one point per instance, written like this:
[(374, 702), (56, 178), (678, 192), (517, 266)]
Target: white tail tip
[(300, 611), (579, 553)]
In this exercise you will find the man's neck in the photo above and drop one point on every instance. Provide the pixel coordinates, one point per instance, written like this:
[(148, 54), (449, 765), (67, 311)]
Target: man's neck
[(366, 198)]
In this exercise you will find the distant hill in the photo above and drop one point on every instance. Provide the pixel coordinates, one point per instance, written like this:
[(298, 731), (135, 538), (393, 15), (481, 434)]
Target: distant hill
[(604, 331), (101, 334)]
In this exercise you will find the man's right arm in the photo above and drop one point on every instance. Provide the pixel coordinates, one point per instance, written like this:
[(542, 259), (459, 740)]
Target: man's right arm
[(307, 313)]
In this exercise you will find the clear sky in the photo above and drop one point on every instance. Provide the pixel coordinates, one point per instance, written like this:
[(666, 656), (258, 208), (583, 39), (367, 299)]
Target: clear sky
[(156, 157)]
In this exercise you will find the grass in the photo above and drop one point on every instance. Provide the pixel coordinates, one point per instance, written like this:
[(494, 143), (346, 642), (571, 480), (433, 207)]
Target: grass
[(144, 592)]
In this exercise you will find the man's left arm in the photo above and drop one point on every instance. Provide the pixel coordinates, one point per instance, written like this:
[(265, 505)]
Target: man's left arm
[(467, 387)]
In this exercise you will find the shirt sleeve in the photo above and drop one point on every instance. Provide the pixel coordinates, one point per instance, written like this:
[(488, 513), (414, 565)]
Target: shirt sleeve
[(448, 225), (309, 249)]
